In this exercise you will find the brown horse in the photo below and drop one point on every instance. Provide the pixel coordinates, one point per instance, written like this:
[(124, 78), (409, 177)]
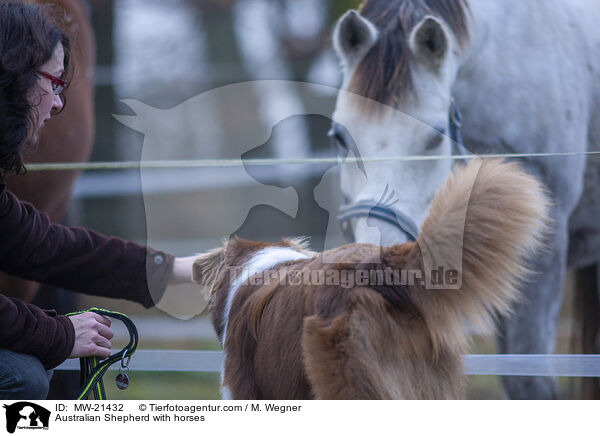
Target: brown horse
[(67, 137)]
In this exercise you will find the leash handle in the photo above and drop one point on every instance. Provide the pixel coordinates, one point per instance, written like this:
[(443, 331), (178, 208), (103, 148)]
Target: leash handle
[(92, 368)]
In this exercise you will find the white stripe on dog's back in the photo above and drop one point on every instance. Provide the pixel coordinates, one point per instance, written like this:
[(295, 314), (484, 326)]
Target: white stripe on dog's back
[(259, 262)]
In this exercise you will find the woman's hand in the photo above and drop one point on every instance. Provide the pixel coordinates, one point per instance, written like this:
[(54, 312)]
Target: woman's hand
[(183, 297), (182, 270), (92, 335)]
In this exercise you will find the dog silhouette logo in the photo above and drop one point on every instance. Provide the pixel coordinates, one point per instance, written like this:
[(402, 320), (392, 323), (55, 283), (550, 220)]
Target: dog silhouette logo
[(25, 415)]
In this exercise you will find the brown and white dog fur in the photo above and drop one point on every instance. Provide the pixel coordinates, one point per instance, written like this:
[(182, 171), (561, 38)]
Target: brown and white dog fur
[(301, 341)]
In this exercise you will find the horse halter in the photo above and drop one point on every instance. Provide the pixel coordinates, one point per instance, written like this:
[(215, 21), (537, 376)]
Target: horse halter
[(384, 211)]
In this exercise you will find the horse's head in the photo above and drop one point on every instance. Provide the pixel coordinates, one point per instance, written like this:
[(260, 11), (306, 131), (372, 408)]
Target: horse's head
[(400, 60)]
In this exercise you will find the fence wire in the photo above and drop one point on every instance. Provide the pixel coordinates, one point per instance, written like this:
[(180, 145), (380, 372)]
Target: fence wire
[(215, 163)]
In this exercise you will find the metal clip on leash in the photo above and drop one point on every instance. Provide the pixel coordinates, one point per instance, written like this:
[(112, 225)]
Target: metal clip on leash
[(93, 369)]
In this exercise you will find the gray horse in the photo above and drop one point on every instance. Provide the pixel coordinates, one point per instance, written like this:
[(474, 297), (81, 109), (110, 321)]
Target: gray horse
[(526, 75)]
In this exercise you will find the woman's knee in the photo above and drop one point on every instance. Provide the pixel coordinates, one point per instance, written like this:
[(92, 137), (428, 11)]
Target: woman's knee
[(22, 377)]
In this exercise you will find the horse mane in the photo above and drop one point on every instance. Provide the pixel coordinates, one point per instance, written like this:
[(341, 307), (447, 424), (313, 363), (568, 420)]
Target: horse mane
[(384, 74)]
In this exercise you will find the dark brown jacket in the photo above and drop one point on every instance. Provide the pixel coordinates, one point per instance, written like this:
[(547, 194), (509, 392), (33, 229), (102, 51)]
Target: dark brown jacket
[(33, 248)]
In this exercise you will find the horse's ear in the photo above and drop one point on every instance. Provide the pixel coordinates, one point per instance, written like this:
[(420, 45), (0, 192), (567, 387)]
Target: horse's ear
[(429, 41), (353, 37)]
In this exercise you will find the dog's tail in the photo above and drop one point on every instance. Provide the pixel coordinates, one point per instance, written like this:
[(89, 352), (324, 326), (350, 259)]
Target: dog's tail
[(482, 226), (473, 247)]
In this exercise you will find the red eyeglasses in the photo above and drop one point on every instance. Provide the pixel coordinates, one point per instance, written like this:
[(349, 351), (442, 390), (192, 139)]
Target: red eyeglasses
[(58, 85)]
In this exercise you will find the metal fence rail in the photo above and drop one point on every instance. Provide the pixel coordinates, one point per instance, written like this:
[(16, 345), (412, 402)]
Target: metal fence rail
[(545, 365)]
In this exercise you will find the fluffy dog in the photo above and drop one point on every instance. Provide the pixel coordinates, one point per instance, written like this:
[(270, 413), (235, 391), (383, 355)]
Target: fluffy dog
[(366, 323)]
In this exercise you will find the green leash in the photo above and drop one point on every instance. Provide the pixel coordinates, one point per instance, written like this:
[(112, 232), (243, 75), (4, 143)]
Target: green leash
[(93, 369)]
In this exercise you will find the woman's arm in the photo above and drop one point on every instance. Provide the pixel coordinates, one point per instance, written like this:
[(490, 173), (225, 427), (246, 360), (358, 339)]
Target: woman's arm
[(27, 329), (78, 259)]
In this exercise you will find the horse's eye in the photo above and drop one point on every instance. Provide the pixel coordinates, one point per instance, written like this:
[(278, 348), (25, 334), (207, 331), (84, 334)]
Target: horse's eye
[(436, 140), (337, 140)]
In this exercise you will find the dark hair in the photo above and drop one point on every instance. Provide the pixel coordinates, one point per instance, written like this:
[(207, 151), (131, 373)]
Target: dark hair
[(28, 38), (384, 73)]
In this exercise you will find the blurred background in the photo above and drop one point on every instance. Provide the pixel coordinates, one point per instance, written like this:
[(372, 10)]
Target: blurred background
[(162, 53)]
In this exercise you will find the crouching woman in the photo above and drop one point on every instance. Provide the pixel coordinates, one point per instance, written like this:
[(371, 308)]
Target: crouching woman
[(34, 59)]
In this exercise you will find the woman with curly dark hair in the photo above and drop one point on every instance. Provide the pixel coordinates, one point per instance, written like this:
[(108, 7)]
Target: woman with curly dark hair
[(20, 68), (34, 59)]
